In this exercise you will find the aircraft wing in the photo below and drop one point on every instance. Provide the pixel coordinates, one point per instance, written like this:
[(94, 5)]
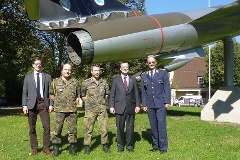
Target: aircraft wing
[(123, 36), (64, 9)]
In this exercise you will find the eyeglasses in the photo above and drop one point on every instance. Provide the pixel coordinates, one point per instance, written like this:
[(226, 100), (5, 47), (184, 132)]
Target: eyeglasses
[(151, 62), (37, 64)]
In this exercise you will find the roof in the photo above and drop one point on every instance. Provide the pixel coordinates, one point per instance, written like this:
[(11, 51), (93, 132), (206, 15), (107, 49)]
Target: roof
[(187, 76)]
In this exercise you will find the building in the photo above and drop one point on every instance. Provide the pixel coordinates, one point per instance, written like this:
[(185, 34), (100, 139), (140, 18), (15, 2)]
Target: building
[(189, 80)]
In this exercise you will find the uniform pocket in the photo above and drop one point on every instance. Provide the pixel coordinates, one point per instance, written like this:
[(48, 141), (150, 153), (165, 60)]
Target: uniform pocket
[(160, 81)]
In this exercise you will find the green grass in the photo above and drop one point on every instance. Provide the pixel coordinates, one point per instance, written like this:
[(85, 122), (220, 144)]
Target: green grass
[(189, 138)]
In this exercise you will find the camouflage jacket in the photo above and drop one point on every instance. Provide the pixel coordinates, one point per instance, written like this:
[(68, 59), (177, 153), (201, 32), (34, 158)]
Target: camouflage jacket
[(95, 93), (66, 93)]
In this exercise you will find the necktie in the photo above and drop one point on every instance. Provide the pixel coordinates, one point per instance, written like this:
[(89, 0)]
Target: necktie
[(151, 76), (125, 83), (38, 86)]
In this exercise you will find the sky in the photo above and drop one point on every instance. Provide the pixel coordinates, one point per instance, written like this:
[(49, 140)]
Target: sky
[(161, 6)]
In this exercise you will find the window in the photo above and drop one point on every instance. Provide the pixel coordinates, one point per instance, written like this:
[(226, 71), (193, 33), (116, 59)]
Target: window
[(204, 95), (200, 80)]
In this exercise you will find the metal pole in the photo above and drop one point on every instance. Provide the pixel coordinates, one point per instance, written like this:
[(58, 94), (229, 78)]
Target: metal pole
[(209, 73), (209, 67), (228, 62)]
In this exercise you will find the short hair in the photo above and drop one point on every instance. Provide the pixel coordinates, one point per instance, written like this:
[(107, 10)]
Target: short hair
[(66, 64), (36, 59), (151, 56), (124, 62), (95, 65)]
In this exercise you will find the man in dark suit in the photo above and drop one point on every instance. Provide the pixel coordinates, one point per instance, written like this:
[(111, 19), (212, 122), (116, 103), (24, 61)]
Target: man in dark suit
[(156, 97), (35, 100), (124, 102)]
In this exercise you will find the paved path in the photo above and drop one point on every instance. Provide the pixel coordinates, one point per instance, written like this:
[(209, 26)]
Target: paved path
[(10, 107)]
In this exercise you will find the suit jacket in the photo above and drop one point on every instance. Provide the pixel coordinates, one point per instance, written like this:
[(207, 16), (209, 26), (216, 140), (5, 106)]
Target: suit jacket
[(120, 99), (29, 94), (156, 92)]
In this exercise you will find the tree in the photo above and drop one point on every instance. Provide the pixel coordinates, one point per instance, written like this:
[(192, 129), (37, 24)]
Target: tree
[(54, 53), (138, 5), (17, 45), (217, 65)]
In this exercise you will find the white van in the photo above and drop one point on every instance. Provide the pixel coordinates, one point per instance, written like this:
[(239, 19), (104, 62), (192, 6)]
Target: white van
[(189, 100)]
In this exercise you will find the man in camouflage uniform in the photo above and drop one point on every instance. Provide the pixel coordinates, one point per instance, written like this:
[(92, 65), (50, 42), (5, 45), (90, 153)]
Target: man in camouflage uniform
[(64, 91), (94, 93)]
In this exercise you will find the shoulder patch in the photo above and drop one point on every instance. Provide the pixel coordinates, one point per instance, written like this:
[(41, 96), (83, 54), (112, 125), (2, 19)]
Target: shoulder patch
[(74, 79), (146, 72), (86, 80)]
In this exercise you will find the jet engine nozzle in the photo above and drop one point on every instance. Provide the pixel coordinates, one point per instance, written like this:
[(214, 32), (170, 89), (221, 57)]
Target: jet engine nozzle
[(82, 47)]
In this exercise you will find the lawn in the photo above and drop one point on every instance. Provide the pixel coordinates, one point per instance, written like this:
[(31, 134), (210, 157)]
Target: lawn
[(189, 138)]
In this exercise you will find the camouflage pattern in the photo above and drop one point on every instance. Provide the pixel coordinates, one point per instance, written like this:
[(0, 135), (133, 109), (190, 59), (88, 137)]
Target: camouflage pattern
[(71, 119), (96, 92), (65, 108), (66, 93), (95, 108), (89, 121)]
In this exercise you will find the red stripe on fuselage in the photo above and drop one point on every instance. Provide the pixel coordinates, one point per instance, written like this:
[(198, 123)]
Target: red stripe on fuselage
[(134, 12), (161, 30)]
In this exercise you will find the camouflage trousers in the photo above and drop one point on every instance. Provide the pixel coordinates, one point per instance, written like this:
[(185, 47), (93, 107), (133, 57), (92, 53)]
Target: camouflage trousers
[(89, 121), (71, 119)]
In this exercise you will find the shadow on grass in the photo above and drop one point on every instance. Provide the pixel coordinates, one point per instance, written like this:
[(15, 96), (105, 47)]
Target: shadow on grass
[(147, 135), (136, 137), (64, 141), (97, 140), (182, 113), (10, 112), (80, 114), (80, 146)]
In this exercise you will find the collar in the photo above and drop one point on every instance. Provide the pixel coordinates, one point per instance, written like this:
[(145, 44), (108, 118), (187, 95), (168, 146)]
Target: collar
[(124, 76), (35, 72), (153, 71), (94, 80), (63, 79)]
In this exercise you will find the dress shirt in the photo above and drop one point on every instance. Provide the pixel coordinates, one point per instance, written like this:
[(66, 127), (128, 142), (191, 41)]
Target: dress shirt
[(127, 79), (41, 86), (153, 72)]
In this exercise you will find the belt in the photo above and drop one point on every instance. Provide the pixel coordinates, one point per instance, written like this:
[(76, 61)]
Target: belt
[(40, 99)]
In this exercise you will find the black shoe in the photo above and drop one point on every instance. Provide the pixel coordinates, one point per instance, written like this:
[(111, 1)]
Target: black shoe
[(163, 152), (105, 148), (130, 150), (120, 150), (86, 149), (153, 150), (72, 149), (55, 150)]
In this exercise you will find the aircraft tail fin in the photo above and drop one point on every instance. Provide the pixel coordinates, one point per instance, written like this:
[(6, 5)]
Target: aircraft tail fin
[(212, 23), (33, 9)]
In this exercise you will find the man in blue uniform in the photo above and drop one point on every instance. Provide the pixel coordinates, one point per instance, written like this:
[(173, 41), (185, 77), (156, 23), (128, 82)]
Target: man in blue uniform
[(156, 97)]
